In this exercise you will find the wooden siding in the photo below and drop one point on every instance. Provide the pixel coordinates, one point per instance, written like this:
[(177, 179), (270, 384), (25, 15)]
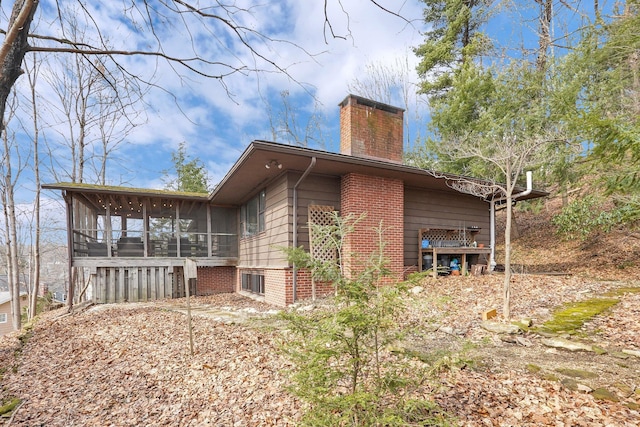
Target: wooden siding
[(132, 284), (439, 209), (7, 326), (314, 190), (5, 308), (261, 250)]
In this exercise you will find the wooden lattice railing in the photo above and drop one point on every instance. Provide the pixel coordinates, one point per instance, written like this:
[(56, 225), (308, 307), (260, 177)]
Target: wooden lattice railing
[(448, 238)]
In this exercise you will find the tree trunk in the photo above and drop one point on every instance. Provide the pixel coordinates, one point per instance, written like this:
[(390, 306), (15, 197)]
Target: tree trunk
[(506, 308), (12, 54), (515, 229), (33, 303), (13, 273), (13, 49), (544, 41)]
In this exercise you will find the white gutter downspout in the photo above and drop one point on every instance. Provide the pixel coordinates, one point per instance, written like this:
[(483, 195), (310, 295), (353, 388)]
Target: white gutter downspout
[(492, 262), (295, 223)]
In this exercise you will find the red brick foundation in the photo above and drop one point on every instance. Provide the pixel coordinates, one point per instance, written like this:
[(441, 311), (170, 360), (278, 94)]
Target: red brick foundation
[(304, 287), (278, 285), (216, 280)]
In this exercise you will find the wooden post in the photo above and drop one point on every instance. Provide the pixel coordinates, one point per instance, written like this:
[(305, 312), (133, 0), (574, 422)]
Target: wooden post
[(190, 273)]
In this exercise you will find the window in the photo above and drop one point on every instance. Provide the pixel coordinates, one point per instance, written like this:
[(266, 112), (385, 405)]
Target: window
[(252, 282), (3, 317), (252, 215)]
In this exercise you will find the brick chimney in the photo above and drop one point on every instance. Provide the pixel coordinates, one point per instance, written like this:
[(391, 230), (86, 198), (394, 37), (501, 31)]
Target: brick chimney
[(371, 129)]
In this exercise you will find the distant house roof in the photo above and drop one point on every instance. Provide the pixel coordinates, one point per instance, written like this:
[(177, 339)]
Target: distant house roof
[(6, 296)]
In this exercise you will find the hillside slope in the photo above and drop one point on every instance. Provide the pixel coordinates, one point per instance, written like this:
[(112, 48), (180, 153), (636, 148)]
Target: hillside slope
[(539, 249)]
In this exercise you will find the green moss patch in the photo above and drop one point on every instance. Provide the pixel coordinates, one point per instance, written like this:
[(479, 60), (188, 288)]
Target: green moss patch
[(534, 369), (576, 373), (604, 394), (9, 406), (572, 316)]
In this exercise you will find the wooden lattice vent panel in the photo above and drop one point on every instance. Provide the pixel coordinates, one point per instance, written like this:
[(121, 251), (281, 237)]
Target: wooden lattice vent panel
[(441, 237), (320, 248)]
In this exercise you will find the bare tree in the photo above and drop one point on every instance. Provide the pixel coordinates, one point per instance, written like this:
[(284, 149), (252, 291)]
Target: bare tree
[(544, 35), (98, 107), (295, 127), (229, 27), (97, 119), (34, 286), (116, 118), (510, 155), (11, 168), (391, 84)]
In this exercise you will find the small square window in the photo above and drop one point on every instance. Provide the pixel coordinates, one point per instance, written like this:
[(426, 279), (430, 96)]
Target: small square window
[(3, 317), (253, 283)]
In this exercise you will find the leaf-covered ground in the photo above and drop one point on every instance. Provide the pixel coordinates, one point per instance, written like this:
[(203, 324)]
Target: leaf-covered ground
[(129, 365)]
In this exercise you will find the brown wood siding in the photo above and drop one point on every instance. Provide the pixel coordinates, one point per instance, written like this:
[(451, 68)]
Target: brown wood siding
[(261, 250), (132, 284), (314, 190), (438, 209)]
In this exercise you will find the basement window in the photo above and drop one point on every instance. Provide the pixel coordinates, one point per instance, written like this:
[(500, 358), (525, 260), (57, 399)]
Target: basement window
[(252, 215), (3, 317), (252, 282)]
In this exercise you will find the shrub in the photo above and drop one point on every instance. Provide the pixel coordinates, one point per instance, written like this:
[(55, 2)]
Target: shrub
[(342, 368), (584, 216)]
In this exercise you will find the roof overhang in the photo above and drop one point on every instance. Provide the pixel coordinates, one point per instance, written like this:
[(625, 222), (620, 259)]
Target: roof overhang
[(124, 191), (249, 173)]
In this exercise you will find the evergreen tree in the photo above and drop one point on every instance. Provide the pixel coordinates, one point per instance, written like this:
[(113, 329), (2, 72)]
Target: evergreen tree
[(609, 109), (454, 40), (190, 174)]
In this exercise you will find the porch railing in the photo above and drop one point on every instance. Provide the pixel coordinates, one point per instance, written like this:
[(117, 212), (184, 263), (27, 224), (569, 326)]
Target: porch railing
[(124, 244)]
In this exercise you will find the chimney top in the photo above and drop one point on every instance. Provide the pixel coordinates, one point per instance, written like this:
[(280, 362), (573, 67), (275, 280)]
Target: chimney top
[(371, 129), (358, 100)]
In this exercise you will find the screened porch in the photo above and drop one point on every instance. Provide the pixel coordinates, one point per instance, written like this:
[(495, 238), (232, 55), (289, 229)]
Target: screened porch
[(127, 225)]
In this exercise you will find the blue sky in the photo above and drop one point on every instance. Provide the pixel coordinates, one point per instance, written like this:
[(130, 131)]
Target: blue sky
[(217, 127)]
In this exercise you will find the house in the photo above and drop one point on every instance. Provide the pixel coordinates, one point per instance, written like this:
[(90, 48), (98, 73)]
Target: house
[(6, 323), (134, 242)]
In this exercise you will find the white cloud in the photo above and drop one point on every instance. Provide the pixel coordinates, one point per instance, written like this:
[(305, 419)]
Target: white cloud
[(216, 127)]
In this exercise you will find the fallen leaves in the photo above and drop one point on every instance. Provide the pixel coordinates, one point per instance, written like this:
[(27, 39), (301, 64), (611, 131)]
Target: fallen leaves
[(129, 365)]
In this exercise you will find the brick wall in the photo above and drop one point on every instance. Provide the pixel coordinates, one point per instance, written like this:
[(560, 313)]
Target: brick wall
[(276, 289), (383, 201), (216, 280), (371, 129), (278, 285), (305, 287)]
